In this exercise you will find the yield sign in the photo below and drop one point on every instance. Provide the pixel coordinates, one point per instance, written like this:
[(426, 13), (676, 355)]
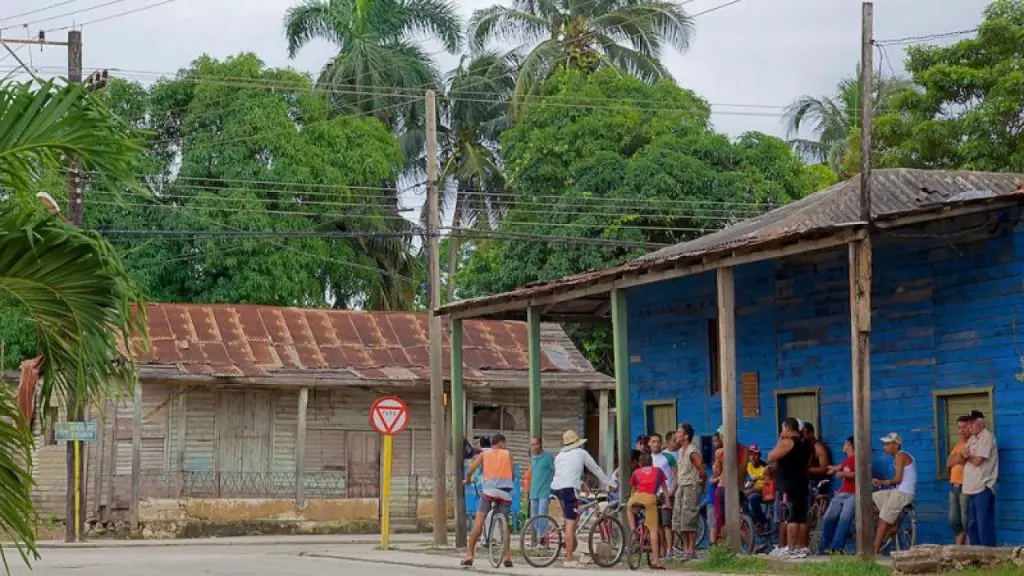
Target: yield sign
[(389, 415)]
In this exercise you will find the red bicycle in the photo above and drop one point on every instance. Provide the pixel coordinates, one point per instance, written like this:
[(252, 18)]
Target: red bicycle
[(639, 539)]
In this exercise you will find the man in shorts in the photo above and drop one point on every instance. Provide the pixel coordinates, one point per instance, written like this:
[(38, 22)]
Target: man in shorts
[(497, 484), (666, 462), (690, 481), (570, 463), (901, 489), (791, 455)]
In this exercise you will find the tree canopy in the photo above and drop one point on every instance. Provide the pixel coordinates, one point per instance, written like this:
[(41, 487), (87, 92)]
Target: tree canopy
[(594, 186), (968, 113)]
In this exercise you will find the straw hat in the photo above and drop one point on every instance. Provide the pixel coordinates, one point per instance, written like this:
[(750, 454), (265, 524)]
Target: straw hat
[(570, 439)]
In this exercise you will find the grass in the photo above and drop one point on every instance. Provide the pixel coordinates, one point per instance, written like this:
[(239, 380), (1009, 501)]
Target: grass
[(722, 561), (843, 567), (1007, 570)]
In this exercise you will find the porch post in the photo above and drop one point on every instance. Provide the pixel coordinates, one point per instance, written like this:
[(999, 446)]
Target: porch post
[(860, 339), (533, 339), (621, 357), (605, 457), (458, 403), (136, 451), (300, 449), (727, 373)]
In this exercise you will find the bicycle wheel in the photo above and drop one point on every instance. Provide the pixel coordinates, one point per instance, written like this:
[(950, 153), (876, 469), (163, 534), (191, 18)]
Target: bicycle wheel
[(746, 534), (906, 529), (548, 545), (497, 540), (607, 541), (636, 547), (702, 530)]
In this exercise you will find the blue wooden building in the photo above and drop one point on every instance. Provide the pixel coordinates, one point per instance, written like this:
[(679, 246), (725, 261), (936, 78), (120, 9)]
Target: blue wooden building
[(900, 323)]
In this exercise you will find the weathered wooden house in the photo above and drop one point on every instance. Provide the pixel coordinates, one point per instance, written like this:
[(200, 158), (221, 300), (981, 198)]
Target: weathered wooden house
[(246, 409), (789, 314)]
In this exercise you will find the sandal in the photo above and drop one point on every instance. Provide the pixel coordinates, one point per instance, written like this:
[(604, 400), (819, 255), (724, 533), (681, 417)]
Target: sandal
[(658, 567), (467, 563), (508, 563)]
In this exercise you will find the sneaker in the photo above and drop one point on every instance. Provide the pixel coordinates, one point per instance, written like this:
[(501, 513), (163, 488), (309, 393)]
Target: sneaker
[(779, 552), (571, 564), (798, 554)]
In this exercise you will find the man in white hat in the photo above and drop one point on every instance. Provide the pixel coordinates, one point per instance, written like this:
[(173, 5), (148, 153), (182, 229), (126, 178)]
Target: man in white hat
[(891, 502), (569, 465)]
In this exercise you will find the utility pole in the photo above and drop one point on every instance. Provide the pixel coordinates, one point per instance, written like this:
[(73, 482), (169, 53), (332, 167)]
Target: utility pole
[(437, 435), (860, 300), (76, 211)]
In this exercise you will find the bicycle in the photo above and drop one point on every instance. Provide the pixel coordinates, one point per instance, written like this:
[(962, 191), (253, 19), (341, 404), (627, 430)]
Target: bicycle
[(639, 539), (541, 539), (494, 523)]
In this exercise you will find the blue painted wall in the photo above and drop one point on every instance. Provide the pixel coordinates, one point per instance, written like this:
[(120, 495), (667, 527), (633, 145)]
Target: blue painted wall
[(946, 299)]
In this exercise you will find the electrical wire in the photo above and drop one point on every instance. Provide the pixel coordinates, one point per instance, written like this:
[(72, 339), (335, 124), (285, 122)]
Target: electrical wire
[(113, 16), (37, 10), (69, 13), (925, 38)]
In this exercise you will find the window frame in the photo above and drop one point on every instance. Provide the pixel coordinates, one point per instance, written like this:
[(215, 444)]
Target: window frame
[(501, 407), (648, 404), (939, 401), (812, 390), (714, 359)]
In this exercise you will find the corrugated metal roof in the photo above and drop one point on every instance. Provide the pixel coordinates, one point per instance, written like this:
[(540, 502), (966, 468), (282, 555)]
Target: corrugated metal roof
[(234, 341), (894, 193)]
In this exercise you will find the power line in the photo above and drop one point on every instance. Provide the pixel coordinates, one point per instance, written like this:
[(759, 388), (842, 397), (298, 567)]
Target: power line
[(44, 8), (118, 15), (69, 13), (714, 8), (925, 38)]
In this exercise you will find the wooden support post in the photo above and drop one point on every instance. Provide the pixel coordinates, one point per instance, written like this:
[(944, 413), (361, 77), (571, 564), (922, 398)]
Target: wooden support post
[(606, 442), (860, 333), (727, 373), (136, 452), (101, 419), (620, 344), (458, 402), (533, 353), (300, 449)]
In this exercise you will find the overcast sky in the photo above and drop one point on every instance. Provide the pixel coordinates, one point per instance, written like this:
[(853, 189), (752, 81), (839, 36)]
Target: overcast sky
[(755, 52)]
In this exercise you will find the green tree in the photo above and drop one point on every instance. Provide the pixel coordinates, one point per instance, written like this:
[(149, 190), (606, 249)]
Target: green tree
[(584, 35), (474, 114), (594, 186), (70, 285), (233, 162), (379, 68), (835, 120), (968, 115)]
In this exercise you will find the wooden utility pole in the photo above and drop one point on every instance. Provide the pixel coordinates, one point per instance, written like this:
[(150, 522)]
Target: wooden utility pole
[(860, 303), (437, 428), (76, 211)]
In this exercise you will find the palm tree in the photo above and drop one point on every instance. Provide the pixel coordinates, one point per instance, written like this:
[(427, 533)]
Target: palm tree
[(379, 69), (584, 34), (474, 114), (835, 120), (69, 282)]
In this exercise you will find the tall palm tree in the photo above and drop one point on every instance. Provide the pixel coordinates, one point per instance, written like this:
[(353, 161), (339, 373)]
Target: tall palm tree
[(474, 114), (379, 68), (69, 282), (584, 34), (835, 119)]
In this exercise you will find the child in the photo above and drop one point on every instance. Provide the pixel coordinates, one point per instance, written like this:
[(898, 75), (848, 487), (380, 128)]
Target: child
[(646, 482)]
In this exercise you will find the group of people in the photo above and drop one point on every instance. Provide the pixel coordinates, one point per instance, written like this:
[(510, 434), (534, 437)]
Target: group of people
[(669, 477)]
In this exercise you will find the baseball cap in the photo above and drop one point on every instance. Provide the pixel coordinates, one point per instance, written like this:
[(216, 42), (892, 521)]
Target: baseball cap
[(892, 438), (976, 415), (754, 448)]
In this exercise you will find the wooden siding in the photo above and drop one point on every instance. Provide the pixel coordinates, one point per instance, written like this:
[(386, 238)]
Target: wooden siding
[(947, 300)]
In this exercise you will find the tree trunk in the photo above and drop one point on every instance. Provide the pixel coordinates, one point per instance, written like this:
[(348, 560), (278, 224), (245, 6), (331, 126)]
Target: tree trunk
[(453, 243)]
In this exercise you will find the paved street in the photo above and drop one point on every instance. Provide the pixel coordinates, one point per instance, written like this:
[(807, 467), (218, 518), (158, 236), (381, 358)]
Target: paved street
[(249, 559), (234, 560)]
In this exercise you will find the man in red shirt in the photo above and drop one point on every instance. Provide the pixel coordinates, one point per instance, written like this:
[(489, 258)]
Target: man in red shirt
[(841, 511)]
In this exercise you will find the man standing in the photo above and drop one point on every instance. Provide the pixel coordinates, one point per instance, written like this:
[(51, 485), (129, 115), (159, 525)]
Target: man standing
[(498, 483), (791, 455), (959, 503), (980, 474), (691, 478), (542, 470), (666, 462), (741, 475)]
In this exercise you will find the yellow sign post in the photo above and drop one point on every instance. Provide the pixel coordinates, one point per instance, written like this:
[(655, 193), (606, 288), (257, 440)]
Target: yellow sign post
[(389, 416)]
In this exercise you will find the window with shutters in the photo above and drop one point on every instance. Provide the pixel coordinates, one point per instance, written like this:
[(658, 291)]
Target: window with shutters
[(950, 405), (501, 418), (714, 381)]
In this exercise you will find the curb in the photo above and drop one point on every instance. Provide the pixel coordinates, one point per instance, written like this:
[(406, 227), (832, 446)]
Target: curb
[(407, 564)]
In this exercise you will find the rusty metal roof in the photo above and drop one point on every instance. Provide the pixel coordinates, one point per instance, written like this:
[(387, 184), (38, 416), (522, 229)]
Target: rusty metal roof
[(896, 193), (246, 341)]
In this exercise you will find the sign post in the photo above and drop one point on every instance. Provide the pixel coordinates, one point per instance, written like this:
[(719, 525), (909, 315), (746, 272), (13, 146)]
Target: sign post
[(388, 416), (76, 432)]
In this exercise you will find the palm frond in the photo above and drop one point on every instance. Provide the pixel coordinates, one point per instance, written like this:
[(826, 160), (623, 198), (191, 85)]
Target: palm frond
[(646, 25), (633, 62), (316, 19), (499, 23), (436, 18)]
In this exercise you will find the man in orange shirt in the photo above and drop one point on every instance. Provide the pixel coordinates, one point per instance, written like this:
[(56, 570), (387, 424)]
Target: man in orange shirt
[(958, 501)]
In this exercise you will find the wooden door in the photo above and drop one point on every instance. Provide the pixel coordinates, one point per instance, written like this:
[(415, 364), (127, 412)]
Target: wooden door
[(363, 464), (800, 405), (245, 424)]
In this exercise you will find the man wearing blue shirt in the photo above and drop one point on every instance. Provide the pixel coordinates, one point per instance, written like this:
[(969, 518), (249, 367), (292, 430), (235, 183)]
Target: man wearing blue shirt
[(542, 471)]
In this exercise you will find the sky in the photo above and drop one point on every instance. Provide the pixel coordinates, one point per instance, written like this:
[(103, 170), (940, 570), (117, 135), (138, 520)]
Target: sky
[(759, 54)]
